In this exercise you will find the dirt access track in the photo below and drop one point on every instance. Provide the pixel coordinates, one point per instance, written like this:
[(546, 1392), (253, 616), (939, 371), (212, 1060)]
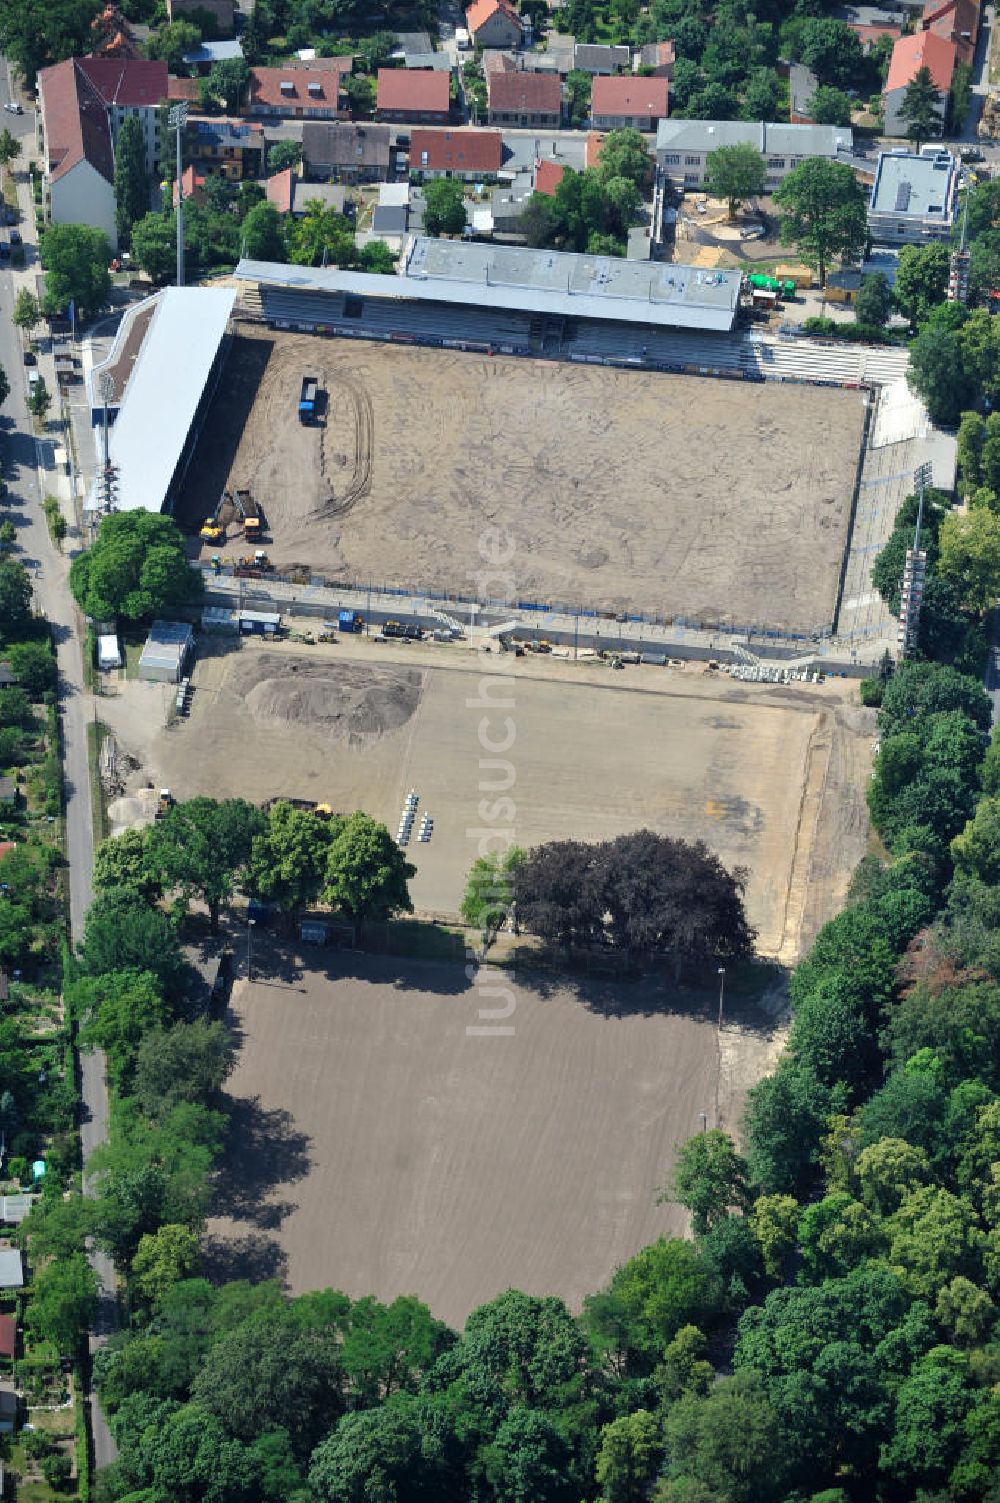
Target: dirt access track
[(771, 778), (721, 502), (380, 1147)]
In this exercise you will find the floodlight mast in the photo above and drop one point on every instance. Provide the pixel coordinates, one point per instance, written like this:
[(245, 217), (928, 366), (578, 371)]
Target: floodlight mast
[(177, 120)]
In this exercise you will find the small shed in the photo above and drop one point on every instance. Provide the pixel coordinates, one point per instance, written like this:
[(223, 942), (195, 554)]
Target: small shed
[(8, 1337), (11, 1268), (8, 1408), (14, 1208), (109, 653), (314, 932), (220, 618), (259, 623), (8, 792), (7, 676), (167, 649)]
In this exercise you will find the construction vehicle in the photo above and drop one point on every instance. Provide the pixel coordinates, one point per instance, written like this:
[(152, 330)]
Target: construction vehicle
[(351, 621), (306, 805), (253, 565), (762, 283), (398, 630), (211, 532), (249, 513), (307, 399), (164, 803), (214, 530)]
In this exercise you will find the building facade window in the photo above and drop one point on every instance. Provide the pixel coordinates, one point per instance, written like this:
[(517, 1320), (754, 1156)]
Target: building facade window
[(692, 161)]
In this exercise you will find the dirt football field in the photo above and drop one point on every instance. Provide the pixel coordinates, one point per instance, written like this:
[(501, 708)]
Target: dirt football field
[(380, 1148), (771, 778), (717, 501)]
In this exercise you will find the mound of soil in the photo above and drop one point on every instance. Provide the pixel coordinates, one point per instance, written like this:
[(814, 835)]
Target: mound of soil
[(347, 701)]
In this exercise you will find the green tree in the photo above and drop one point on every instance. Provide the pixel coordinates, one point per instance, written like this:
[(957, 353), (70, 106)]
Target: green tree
[(136, 568), (377, 1453), (154, 246), (937, 374), (63, 1302), (76, 259), (629, 1458), (965, 1311), (624, 154), (735, 173), (830, 106), (971, 443), (917, 691), (835, 1234), (823, 212), (831, 50), (761, 95), (34, 33), (930, 1411), (529, 1459), (27, 312), (122, 933), (709, 1179), (288, 859), (39, 400), (263, 237), (920, 109), (131, 178), (170, 41), (366, 872), (977, 849), (283, 154), (775, 1221), (15, 597), (890, 1170), (980, 344), (786, 1117), (199, 847), (934, 1237), (489, 890), (188, 1062), (444, 207), (117, 1009), (970, 557), (730, 1442), (123, 863), (874, 301), (321, 233), (34, 666), (228, 80), (664, 1287), (163, 1259), (684, 1368)]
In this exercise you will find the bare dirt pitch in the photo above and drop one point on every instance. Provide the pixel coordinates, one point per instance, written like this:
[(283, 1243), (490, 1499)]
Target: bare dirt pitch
[(380, 1148), (717, 501), (771, 778)]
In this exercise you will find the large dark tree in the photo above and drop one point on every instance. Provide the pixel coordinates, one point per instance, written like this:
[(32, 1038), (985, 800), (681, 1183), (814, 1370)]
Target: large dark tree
[(640, 894)]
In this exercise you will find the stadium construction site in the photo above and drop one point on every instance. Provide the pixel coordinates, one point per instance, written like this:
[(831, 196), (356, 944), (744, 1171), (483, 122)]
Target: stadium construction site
[(717, 518)]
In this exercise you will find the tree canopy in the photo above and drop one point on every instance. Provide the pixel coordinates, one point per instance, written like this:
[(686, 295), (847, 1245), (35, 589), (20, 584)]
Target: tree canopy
[(76, 260), (822, 212), (135, 569)]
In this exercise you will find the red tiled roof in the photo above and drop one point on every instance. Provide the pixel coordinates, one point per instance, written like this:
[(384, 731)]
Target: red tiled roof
[(957, 21), (280, 191), (6, 846), (456, 150), (869, 33), (924, 49), (129, 83), (309, 86), (524, 93), (417, 90), (76, 121), (548, 176), (183, 88), (646, 97), (480, 11), (8, 1336), (592, 150), (193, 184)]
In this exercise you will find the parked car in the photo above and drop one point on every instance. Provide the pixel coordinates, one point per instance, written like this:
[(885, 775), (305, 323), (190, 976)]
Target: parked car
[(29, 357), (13, 107)]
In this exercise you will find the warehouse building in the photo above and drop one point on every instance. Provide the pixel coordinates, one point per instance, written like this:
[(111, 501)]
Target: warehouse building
[(166, 653)]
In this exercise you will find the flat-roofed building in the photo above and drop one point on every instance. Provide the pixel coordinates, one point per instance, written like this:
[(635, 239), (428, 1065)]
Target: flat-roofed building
[(914, 199)]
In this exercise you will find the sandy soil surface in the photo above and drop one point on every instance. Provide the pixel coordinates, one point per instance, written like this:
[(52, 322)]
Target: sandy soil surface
[(380, 1148), (717, 501), (771, 778)]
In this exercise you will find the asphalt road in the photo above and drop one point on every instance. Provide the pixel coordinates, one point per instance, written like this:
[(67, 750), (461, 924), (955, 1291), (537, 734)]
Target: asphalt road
[(50, 580)]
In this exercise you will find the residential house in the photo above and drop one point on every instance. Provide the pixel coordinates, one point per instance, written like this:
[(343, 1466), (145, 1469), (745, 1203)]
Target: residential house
[(494, 23), (131, 88), (915, 198), (467, 154), (8, 800), (290, 194), (924, 49), (234, 148), (192, 185), (11, 1267), (76, 150), (205, 56), (548, 176), (656, 60), (221, 11), (347, 153), (300, 91), (955, 20), (524, 99), (601, 60), (8, 1337), (632, 101), (870, 32), (417, 96), (439, 62), (683, 146), (8, 1408)]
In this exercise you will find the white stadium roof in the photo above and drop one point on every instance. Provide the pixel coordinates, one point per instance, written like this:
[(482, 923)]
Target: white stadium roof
[(534, 281), (163, 389)]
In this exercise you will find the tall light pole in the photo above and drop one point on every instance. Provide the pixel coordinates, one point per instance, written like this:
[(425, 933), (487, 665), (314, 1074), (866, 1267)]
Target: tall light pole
[(177, 119), (722, 992), (250, 924)]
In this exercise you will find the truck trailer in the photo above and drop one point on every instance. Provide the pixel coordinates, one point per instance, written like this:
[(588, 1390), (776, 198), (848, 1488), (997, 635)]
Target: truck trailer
[(307, 399)]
